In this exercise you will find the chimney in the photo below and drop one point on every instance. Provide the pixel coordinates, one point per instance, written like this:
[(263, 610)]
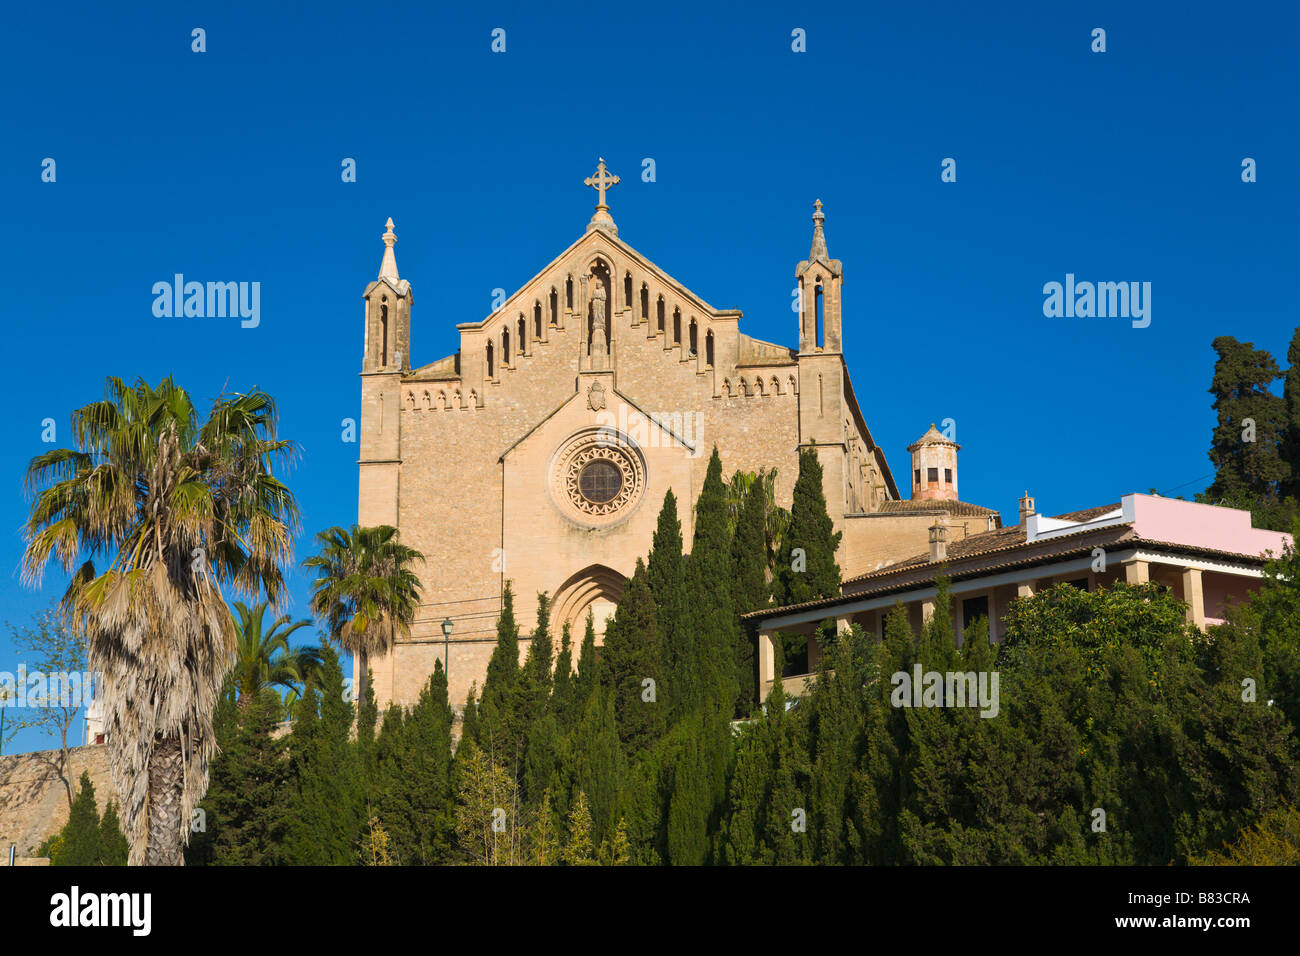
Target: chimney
[(1026, 508), (938, 542)]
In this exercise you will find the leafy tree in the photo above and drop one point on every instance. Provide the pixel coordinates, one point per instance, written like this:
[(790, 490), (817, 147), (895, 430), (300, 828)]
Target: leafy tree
[(579, 850), (543, 840), (374, 845), (1273, 841), (57, 650), (489, 827), (174, 509)]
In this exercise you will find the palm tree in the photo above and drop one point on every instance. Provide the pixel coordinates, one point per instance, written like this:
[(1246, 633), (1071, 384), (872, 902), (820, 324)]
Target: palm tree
[(264, 658), (778, 519), (151, 514), (365, 591)]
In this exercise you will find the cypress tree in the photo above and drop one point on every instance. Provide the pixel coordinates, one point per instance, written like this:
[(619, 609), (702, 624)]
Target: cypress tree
[(690, 805), (562, 684), (417, 800), (496, 735), (469, 729), (631, 655), (113, 848), (750, 587), (540, 650), (79, 843), (1291, 401), (588, 678), (325, 786), (808, 570), (503, 666), (244, 803), (714, 633), (666, 575), (540, 727), (598, 762), (1247, 445)]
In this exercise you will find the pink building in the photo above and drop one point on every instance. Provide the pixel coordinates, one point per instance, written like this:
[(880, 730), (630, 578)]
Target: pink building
[(1210, 557)]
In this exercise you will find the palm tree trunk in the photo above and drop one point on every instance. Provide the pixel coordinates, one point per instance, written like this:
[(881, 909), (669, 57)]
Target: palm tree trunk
[(166, 780), (363, 683)]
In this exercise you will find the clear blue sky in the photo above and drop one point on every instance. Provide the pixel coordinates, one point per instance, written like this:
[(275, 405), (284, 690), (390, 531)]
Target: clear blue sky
[(225, 166)]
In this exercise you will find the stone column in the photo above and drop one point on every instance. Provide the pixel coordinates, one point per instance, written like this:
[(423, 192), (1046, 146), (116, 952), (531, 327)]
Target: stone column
[(766, 662), (994, 623), (1194, 595), (1137, 572)]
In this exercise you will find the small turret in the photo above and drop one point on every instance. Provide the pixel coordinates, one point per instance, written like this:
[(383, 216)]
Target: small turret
[(934, 467)]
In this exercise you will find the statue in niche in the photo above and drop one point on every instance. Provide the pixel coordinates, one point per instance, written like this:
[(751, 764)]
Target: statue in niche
[(598, 327)]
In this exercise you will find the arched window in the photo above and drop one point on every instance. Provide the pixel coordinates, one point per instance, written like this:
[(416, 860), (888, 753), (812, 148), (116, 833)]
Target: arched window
[(555, 308), (383, 331), (537, 320), (821, 329), (693, 342), (660, 310), (505, 348), (491, 365), (523, 328), (708, 348), (645, 302), (627, 290), (677, 326), (568, 293)]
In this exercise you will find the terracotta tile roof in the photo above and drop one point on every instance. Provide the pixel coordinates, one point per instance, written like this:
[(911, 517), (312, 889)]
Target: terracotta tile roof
[(963, 558), (999, 539), (912, 506)]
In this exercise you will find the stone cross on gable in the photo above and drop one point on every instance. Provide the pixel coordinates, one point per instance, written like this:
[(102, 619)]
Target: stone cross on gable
[(601, 181)]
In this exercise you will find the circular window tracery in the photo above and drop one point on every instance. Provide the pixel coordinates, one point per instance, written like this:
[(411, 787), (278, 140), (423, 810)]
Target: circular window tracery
[(600, 481), (597, 477)]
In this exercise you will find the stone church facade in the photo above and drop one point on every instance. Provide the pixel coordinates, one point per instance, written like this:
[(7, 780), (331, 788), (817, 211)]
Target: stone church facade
[(572, 409)]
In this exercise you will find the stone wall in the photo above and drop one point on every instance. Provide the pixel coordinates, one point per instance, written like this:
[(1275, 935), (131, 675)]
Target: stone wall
[(33, 799)]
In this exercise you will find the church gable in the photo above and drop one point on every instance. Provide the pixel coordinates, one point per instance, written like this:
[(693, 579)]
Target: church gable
[(542, 451), (591, 293)]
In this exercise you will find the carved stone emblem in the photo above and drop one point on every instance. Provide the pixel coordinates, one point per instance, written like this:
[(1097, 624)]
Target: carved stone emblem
[(596, 397)]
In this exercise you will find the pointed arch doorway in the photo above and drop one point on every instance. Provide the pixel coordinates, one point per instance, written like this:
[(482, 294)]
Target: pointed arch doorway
[(596, 588)]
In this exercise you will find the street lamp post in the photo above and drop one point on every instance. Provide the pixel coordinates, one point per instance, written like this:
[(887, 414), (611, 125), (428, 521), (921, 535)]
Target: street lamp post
[(446, 645)]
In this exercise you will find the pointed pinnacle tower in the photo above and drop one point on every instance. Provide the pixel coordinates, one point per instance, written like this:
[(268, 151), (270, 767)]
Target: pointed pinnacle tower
[(819, 237), (388, 268)]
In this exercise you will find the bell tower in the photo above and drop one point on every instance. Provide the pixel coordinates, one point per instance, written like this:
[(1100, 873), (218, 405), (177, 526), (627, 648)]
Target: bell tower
[(388, 315), (820, 278), (822, 408), (387, 355)]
